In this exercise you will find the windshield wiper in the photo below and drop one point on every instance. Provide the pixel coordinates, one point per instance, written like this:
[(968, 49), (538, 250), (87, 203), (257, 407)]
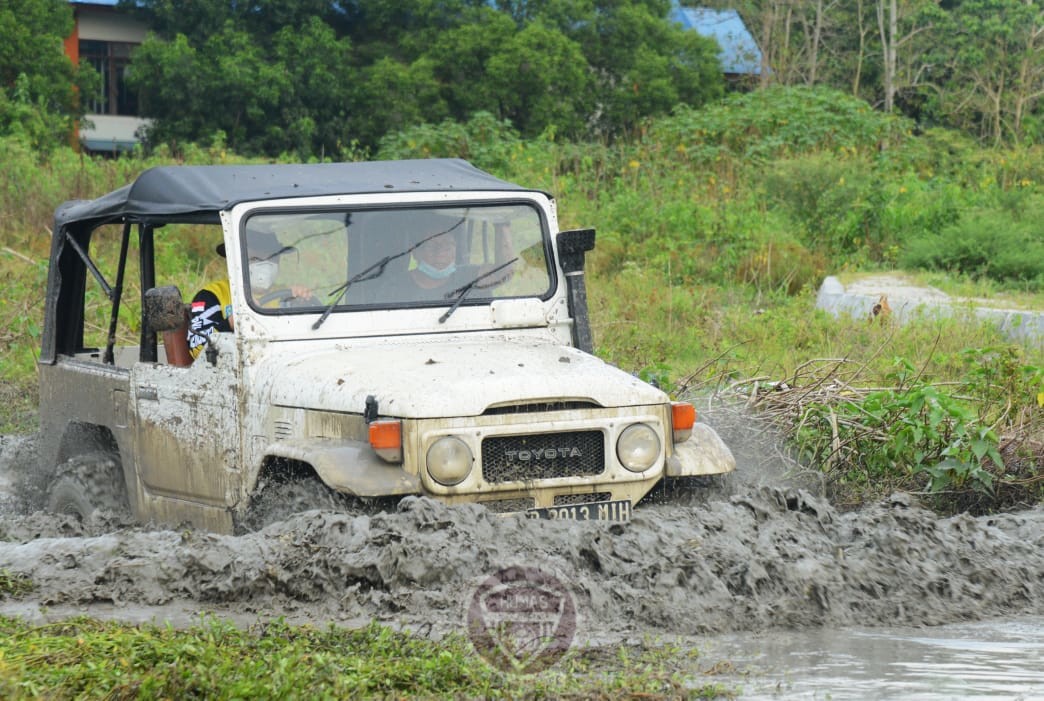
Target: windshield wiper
[(374, 271), (464, 289)]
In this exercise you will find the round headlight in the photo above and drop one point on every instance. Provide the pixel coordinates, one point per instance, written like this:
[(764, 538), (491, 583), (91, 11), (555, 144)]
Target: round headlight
[(449, 460), (638, 447)]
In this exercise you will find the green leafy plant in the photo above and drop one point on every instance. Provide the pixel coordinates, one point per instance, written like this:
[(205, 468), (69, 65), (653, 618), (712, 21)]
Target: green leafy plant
[(887, 437), (657, 375)]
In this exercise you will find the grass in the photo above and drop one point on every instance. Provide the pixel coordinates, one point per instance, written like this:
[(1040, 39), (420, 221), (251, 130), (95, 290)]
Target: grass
[(18, 405), (85, 658)]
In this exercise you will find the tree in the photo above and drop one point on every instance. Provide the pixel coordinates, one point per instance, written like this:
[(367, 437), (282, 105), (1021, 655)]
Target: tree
[(276, 75), (461, 56), (41, 87), (900, 24), (322, 83), (392, 95), (642, 64), (199, 19), (998, 66), (290, 93), (540, 80), (407, 29)]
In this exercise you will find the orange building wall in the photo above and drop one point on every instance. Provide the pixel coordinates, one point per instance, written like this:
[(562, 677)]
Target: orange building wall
[(72, 50), (72, 42)]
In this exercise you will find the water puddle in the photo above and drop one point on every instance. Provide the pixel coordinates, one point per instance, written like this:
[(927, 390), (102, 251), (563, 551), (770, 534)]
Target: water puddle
[(996, 659)]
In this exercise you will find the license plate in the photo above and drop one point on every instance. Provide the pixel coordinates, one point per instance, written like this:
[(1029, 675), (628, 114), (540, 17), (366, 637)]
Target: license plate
[(596, 511)]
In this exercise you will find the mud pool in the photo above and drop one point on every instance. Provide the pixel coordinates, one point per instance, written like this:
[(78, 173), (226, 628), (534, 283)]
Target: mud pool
[(731, 559), (989, 660)]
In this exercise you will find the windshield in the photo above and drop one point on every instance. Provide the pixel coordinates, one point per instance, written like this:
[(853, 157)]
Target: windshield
[(325, 261)]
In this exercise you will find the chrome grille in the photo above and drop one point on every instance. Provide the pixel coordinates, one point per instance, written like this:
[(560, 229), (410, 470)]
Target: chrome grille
[(544, 456), (569, 499)]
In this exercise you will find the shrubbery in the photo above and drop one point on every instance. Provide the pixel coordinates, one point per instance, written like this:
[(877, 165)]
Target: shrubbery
[(1004, 245)]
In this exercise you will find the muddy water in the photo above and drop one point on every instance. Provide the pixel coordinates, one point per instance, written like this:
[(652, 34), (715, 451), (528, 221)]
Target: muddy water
[(748, 559), (994, 659)]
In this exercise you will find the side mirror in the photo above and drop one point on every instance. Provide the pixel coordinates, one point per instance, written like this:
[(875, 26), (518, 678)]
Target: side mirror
[(164, 308)]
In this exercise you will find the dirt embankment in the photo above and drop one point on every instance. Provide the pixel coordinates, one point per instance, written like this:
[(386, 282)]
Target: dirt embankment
[(704, 561)]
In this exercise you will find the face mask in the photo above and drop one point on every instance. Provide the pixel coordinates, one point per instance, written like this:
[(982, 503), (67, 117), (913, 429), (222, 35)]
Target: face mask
[(436, 273), (263, 274)]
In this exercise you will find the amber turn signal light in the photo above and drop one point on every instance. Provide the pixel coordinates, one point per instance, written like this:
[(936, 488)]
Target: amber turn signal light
[(683, 418), (386, 439)]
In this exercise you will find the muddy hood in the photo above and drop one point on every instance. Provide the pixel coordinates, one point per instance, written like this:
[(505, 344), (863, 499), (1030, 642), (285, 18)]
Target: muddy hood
[(435, 380)]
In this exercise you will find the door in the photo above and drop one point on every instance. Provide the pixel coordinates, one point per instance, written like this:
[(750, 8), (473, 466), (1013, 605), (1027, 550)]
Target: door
[(187, 426)]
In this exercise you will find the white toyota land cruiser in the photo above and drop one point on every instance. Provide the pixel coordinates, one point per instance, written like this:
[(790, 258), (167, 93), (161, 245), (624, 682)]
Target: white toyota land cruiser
[(425, 332)]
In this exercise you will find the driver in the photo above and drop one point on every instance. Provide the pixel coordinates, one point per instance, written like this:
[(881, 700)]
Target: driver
[(211, 308)]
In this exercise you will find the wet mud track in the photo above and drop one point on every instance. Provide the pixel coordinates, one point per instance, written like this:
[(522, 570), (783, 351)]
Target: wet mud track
[(760, 558)]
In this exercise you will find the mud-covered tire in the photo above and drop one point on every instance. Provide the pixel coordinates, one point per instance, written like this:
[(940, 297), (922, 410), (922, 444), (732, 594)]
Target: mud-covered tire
[(278, 500), (87, 485)]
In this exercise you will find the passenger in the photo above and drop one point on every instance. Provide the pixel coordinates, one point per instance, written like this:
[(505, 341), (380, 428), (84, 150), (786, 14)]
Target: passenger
[(211, 308)]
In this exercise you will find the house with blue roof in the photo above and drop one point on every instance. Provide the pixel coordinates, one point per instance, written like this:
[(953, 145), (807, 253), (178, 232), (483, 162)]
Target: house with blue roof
[(740, 56)]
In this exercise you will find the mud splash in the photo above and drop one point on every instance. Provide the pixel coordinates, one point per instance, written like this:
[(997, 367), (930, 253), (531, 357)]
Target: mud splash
[(736, 558)]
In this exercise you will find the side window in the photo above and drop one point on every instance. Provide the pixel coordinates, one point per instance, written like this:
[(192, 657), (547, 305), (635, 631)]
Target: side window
[(184, 255), (104, 252)]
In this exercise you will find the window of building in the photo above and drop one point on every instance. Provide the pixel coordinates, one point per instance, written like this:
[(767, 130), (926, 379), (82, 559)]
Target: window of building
[(111, 59)]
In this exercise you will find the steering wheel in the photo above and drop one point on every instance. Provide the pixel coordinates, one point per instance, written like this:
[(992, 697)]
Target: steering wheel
[(287, 298)]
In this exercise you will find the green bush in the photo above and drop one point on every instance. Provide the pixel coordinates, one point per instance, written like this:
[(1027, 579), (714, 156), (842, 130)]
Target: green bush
[(32, 120), (784, 266), (833, 201), (484, 140), (998, 244), (778, 122)]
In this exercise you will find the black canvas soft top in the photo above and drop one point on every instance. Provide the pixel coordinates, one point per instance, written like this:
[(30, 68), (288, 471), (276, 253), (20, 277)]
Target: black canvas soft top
[(199, 193)]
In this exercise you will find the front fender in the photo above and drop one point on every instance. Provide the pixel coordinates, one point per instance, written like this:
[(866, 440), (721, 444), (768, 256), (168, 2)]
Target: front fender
[(703, 454), (348, 466)]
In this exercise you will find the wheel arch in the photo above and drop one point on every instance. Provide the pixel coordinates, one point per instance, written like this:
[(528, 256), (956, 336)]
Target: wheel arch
[(280, 468), (83, 438), (80, 438)]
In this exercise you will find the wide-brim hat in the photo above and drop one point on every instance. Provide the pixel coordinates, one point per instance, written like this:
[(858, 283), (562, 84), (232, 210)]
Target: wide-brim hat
[(261, 244)]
